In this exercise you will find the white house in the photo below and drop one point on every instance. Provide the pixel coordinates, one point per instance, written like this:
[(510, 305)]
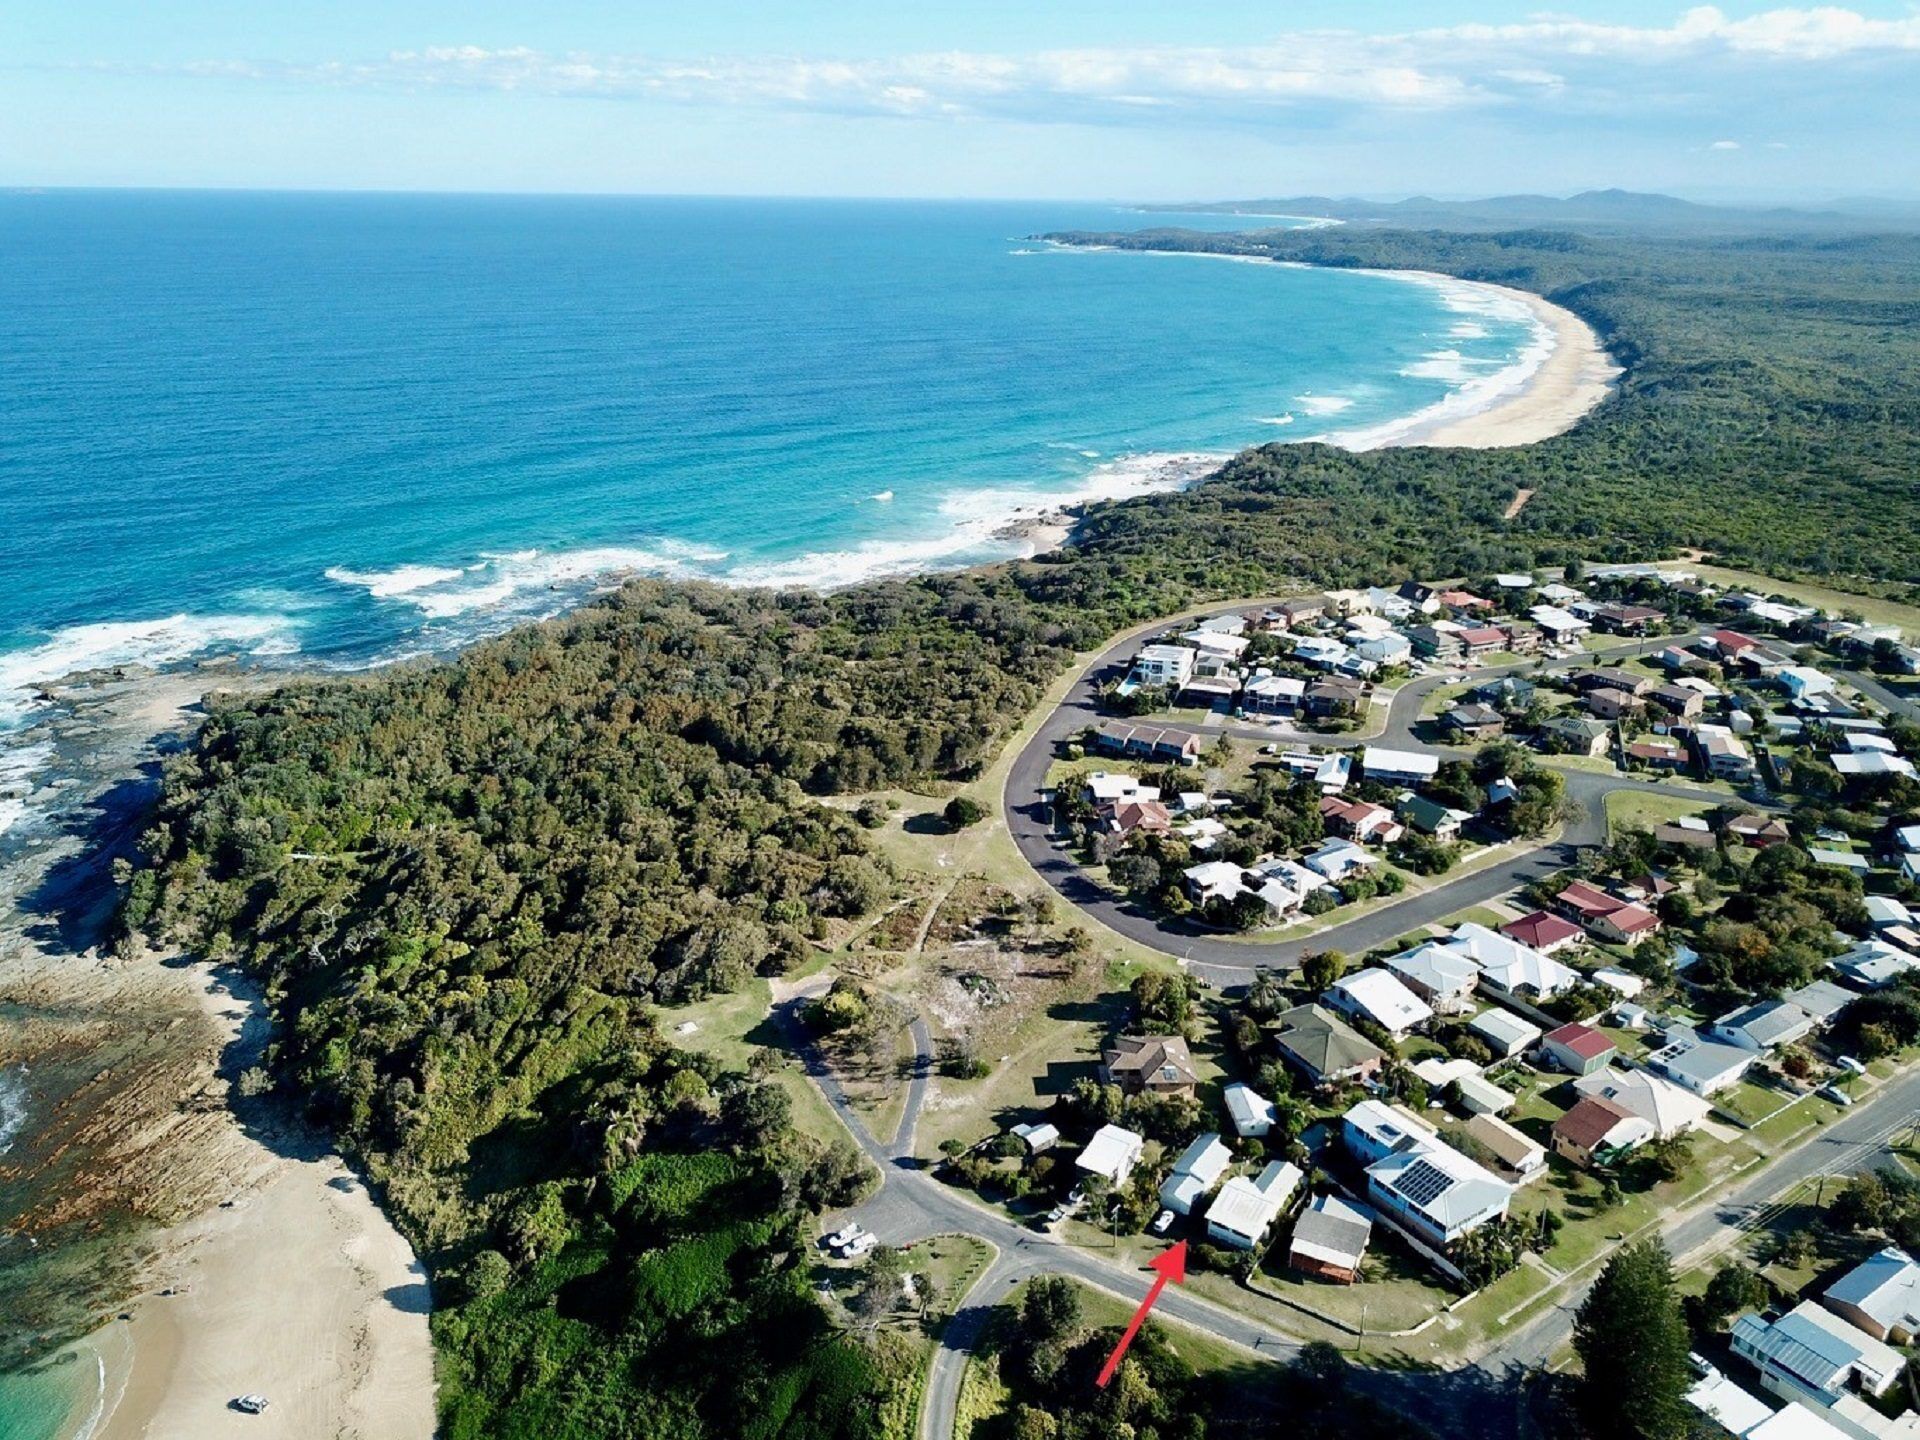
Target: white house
[(1812, 1355), (1436, 1194), (1197, 1171), (1244, 1210), (1168, 665), (1438, 974), (1375, 995), (1111, 1154), (1873, 963), (1504, 1032), (1337, 859), (1661, 1103), (1510, 969), (1214, 880), (1107, 788), (1763, 1026), (1880, 1295), (1398, 767), (1705, 1067), (1252, 1113)]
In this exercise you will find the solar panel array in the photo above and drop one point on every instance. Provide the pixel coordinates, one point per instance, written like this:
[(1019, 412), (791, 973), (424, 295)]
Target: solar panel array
[(1423, 1182)]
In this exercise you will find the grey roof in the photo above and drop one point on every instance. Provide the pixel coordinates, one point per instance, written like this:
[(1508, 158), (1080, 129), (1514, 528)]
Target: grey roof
[(1322, 1041), (1332, 1230), (1702, 1059), (1768, 1022), (1798, 1347), (1822, 999), (1885, 1286)]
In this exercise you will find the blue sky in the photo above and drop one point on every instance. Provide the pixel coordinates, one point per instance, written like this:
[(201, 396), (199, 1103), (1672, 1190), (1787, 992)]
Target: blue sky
[(1062, 98)]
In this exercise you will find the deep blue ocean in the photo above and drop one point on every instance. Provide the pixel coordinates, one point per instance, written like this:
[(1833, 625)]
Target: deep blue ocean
[(339, 430)]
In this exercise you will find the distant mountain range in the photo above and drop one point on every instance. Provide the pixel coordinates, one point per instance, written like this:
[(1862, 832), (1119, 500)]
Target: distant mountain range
[(1627, 209)]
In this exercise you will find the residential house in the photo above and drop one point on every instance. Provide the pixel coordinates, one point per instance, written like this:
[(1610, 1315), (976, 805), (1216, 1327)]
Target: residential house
[(1195, 1173), (1320, 651), (1360, 820), (1523, 637), (1329, 698), (1252, 1113), (1214, 880), (1037, 1138), (1446, 646), (1111, 1154), (1597, 1132), (1434, 1194), (1505, 1033), (1520, 1157), (1337, 859), (1430, 817), (1607, 703), (1245, 1209), (1726, 644), (1392, 648), (1145, 817), (1880, 1295), (1578, 1049), (1763, 1026), (1386, 766), (1150, 1064), (1105, 789), (1585, 682), (1759, 831), (1151, 742), (1228, 624), (1705, 1067), (1873, 963), (1724, 754), (1607, 917), (1510, 970), (1626, 619), (1509, 694), (1324, 1047), (1216, 652), (1210, 690), (1885, 912), (1813, 1355), (1376, 995), (1577, 734), (1424, 599), (1561, 627), (1480, 1096), (1669, 1109), (1481, 640), (1802, 682), (1873, 765), (1689, 832), (1438, 974), (1273, 694), (1473, 722), (1330, 1240), (1821, 999), (1304, 612), (1681, 700), (1543, 932), (1168, 665), (1463, 604)]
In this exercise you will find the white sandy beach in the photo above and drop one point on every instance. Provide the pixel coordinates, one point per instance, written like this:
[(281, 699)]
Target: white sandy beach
[(1576, 375)]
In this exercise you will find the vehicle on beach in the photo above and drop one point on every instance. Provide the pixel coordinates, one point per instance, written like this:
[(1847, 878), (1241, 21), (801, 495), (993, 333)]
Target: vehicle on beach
[(249, 1404)]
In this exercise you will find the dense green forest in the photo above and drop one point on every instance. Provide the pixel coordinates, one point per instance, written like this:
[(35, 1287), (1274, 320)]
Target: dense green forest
[(465, 884)]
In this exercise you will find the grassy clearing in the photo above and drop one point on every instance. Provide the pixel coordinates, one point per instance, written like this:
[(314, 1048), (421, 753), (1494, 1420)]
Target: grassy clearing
[(1636, 809), (1202, 1351), (1879, 612), (728, 1027)]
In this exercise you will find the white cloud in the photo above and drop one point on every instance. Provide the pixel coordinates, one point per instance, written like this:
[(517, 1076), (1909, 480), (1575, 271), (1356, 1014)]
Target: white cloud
[(1724, 145), (1551, 61)]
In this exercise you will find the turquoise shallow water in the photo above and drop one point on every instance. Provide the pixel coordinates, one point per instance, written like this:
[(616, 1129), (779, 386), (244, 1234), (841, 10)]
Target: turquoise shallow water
[(358, 426), (337, 430)]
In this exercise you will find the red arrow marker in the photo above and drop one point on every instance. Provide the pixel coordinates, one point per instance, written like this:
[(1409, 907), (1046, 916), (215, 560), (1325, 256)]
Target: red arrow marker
[(1171, 1265)]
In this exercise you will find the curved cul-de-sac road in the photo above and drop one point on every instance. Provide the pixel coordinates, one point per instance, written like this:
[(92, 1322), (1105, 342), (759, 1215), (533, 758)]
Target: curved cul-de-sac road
[(1223, 960)]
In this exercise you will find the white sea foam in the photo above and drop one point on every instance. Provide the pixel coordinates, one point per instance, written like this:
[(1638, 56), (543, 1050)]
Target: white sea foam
[(1468, 330), (12, 812), (18, 766), (1449, 366), (883, 496), (985, 525), (13, 1105), (402, 580), (109, 644), (525, 581), (1324, 404), (1275, 420)]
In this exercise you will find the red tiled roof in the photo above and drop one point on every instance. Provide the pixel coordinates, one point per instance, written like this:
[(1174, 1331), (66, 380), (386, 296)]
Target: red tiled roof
[(1633, 919), (1588, 1044), (1540, 930), (1732, 640), (1588, 899), (1589, 1122), (1482, 635)]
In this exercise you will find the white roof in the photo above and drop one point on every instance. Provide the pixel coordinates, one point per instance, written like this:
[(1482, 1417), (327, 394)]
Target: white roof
[(1554, 618), (1247, 1207), (1844, 859), (1506, 1027), (1807, 680), (1379, 759), (1227, 624), (1795, 1421), (1275, 687), (1514, 582), (1872, 762), (1509, 964), (1661, 1103), (1105, 786), (1624, 982), (1437, 1181), (1216, 876), (1885, 910), (1379, 994), (1387, 1125), (1484, 1093), (1885, 1286), (1111, 1152), (1907, 837), (1337, 858), (1863, 740), (1196, 1172), (1247, 1107), (1170, 654), (1437, 1072), (1440, 968), (1215, 643), (1718, 1398)]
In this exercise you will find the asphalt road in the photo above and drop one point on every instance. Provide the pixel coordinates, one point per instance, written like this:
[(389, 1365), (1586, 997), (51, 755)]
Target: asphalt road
[(1223, 960), (1480, 1401)]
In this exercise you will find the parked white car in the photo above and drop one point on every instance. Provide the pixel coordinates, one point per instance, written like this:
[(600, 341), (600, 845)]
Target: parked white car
[(1162, 1222), (844, 1237), (858, 1246)]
